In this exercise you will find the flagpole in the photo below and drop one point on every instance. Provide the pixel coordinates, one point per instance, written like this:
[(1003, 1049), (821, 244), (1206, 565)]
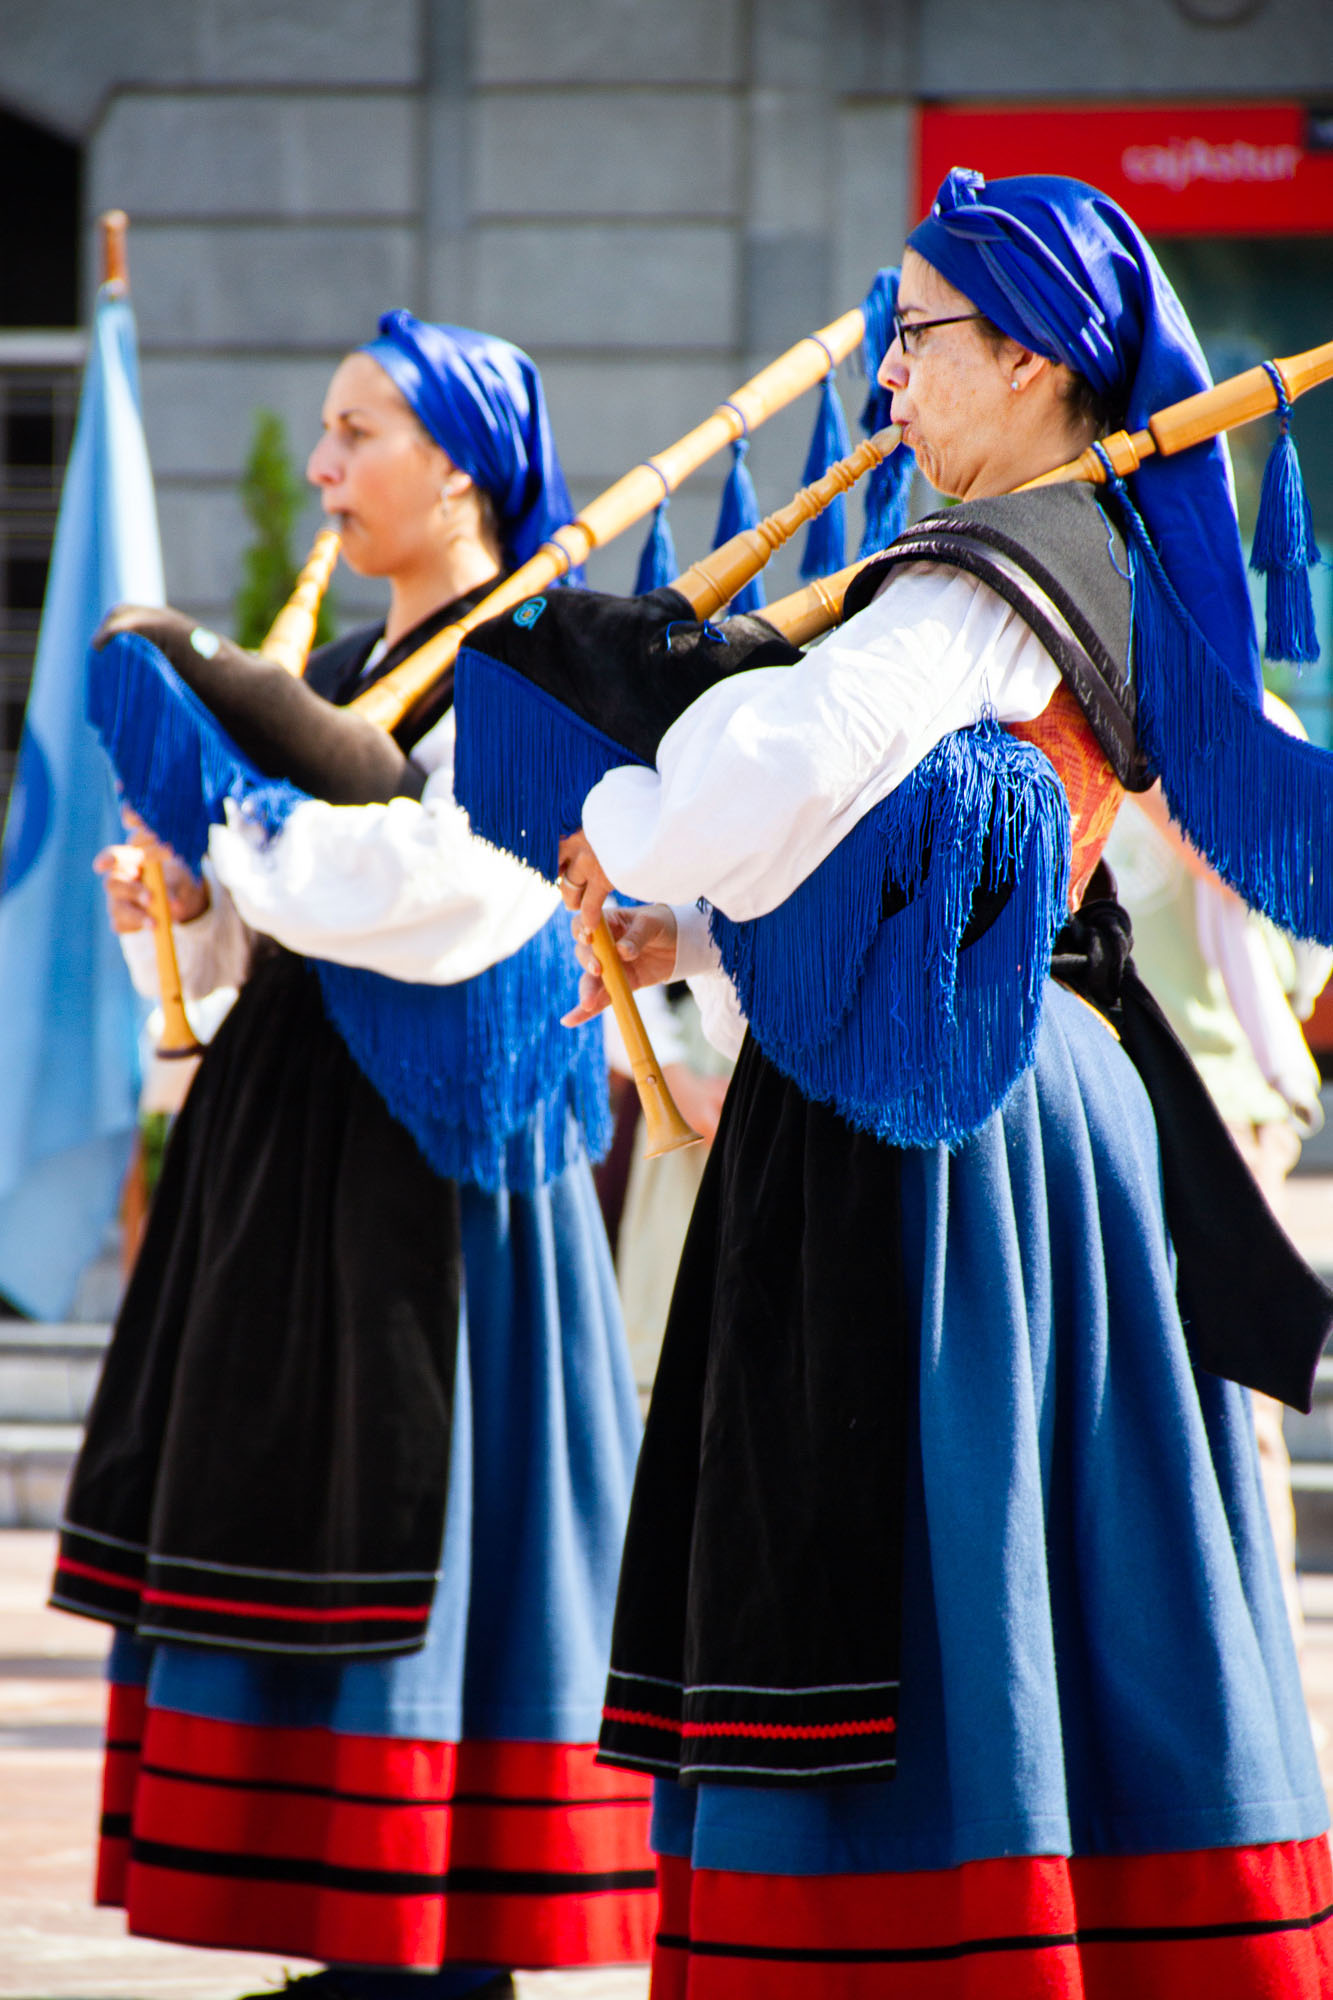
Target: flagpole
[(178, 1039)]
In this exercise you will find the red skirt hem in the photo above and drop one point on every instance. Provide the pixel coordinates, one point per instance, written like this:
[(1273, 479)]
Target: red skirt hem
[(377, 1851), (1242, 1923)]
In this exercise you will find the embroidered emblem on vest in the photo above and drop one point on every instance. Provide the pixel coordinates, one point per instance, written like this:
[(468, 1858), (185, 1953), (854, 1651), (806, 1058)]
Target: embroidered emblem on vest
[(528, 614)]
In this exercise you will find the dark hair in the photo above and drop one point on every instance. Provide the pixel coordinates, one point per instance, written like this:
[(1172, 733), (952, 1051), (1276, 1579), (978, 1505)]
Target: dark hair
[(1084, 403)]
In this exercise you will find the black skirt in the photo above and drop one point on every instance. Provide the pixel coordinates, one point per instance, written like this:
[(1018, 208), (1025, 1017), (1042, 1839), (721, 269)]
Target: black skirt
[(267, 1457)]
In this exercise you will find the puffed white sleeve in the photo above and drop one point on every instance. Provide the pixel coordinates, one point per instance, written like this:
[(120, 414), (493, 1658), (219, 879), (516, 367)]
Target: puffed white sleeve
[(212, 951), (405, 888), (761, 777)]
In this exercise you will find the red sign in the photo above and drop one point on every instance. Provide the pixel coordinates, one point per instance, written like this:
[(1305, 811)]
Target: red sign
[(1179, 170)]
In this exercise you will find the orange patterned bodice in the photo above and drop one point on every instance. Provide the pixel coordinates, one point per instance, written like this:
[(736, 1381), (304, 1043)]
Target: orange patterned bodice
[(1064, 734)]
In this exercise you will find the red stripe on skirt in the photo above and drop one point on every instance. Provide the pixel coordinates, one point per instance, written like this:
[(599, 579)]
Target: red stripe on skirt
[(1014, 1929), (236, 1607), (120, 1776), (226, 1801)]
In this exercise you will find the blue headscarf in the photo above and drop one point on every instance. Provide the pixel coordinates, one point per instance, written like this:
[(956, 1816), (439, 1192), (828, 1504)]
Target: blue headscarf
[(482, 402), (1061, 268)]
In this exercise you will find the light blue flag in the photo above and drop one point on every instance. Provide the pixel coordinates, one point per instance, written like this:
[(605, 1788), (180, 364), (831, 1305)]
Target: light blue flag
[(69, 1017)]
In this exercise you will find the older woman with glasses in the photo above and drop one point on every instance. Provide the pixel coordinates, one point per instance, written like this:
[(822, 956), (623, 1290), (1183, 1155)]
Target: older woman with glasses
[(949, 1620)]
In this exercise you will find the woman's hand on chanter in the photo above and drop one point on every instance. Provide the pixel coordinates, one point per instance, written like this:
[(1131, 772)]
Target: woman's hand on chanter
[(645, 941), (584, 883), (129, 906)]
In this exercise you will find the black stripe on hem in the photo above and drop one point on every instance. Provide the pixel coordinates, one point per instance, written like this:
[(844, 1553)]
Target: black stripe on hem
[(973, 1947), (175, 1775), (386, 1882)]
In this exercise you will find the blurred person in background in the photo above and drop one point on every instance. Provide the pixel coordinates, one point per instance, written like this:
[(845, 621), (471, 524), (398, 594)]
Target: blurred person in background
[(1236, 990)]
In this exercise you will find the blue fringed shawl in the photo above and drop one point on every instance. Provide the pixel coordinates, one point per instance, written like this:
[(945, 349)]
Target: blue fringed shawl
[(524, 763), (480, 1073), (910, 1037), (907, 1036)]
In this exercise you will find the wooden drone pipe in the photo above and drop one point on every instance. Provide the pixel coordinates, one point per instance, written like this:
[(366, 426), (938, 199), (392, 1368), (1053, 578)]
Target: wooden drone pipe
[(630, 499), (1196, 419), (292, 633), (710, 584)]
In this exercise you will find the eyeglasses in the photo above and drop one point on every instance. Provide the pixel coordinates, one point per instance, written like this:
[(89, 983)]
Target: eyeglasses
[(905, 331)]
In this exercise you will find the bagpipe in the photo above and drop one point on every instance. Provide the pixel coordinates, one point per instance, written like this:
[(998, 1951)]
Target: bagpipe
[(191, 721), (902, 980)]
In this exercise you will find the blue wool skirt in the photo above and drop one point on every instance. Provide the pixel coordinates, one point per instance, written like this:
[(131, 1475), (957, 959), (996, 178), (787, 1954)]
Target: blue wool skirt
[(1095, 1653)]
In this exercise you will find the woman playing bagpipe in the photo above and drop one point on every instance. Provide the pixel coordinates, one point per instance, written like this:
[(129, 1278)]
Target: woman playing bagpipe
[(356, 1478), (949, 1622)]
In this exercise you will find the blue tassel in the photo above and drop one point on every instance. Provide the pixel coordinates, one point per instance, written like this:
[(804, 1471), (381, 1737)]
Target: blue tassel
[(740, 510), (657, 562), (1284, 545), (1256, 802), (492, 1089), (888, 490), (826, 537), (908, 1037), (524, 762)]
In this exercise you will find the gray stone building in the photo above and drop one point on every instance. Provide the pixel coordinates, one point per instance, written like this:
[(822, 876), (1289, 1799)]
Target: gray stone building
[(652, 195)]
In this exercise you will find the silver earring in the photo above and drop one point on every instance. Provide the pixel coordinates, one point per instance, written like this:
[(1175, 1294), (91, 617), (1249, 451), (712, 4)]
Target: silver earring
[(1013, 385)]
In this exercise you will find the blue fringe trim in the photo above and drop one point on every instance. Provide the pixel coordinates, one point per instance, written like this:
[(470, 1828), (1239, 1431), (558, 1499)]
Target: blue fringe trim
[(1255, 801), (888, 490), (493, 1090), (826, 537), (491, 1087), (174, 764), (885, 1019), (657, 560), (1284, 548), (524, 763), (740, 510)]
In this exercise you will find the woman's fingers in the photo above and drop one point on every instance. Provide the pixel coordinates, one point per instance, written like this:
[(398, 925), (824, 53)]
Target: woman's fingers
[(583, 883), (127, 901), (592, 1001), (187, 894), (645, 941), (125, 618)]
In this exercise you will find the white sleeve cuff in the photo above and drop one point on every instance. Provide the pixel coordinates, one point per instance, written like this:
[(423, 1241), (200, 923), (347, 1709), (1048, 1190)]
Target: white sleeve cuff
[(695, 950), (212, 950)]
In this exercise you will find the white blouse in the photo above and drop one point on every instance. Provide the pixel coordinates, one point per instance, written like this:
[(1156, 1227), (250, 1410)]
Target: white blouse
[(762, 776), (404, 888)]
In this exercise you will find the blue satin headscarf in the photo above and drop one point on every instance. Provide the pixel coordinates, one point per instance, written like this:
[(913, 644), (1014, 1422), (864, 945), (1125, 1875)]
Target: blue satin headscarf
[(1061, 268), (482, 402)]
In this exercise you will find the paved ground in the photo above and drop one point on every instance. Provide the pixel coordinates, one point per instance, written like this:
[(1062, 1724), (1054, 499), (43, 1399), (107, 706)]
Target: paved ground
[(55, 1946)]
